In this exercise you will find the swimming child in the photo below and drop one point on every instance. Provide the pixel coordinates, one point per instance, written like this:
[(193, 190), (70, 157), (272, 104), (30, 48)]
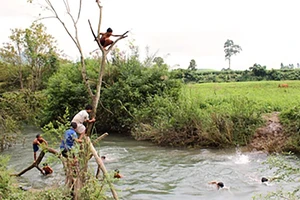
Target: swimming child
[(47, 169), (117, 174), (218, 184)]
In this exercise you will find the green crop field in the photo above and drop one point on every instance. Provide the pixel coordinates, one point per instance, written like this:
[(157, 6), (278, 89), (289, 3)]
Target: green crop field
[(265, 96)]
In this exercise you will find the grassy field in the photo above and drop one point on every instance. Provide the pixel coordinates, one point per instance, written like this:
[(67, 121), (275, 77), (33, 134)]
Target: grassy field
[(264, 95), (223, 114)]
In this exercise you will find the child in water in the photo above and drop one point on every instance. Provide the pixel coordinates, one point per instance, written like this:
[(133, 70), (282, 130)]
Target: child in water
[(117, 174), (218, 184), (47, 169)]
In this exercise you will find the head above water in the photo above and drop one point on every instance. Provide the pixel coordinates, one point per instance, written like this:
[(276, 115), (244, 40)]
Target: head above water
[(109, 30), (38, 136), (220, 185), (263, 179), (45, 164)]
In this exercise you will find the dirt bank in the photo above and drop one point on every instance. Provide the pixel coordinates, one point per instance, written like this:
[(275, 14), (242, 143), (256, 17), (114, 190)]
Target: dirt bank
[(269, 138)]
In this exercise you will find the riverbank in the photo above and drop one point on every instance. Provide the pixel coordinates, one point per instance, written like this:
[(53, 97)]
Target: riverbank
[(222, 115)]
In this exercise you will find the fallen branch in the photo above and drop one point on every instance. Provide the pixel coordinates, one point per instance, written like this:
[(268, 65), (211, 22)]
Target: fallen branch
[(37, 162)]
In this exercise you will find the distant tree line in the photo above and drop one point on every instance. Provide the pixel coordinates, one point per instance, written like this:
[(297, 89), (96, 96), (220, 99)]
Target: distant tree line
[(255, 73)]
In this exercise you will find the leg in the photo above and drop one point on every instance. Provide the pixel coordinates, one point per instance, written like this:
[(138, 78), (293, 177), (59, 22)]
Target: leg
[(107, 42), (34, 156), (35, 149), (81, 130)]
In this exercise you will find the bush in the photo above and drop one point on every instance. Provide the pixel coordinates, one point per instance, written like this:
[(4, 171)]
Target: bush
[(65, 90), (212, 122), (129, 87), (290, 120)]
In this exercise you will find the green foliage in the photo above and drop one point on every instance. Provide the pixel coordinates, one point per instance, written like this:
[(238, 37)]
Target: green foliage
[(129, 87), (5, 180), (53, 133), (10, 190), (65, 90), (30, 57), (16, 109), (231, 49), (255, 73), (192, 65), (285, 169), (290, 118), (94, 189), (258, 70), (222, 114), (197, 121)]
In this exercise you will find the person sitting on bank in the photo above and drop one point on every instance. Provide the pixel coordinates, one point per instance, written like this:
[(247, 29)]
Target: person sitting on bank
[(70, 137), (47, 169), (36, 143), (219, 185)]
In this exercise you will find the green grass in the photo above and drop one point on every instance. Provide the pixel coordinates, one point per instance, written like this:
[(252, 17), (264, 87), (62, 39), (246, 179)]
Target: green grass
[(265, 95), (219, 114)]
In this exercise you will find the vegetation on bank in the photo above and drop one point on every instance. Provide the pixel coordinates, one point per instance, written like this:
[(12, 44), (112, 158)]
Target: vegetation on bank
[(218, 114), (143, 98)]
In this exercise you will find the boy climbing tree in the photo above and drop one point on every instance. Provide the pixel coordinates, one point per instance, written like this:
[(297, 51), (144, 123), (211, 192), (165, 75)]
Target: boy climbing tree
[(81, 177), (105, 41)]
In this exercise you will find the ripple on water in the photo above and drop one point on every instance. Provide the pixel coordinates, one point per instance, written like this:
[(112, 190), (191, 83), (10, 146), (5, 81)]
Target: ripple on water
[(158, 173)]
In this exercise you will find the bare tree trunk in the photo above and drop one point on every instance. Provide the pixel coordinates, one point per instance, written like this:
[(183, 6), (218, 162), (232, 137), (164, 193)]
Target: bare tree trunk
[(102, 167), (80, 174), (20, 67)]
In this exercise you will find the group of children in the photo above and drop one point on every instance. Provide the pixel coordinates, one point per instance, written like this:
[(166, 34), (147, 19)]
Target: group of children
[(70, 136), (116, 171), (220, 185)]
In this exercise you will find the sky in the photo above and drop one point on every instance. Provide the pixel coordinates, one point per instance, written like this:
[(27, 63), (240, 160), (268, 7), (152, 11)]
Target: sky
[(267, 30)]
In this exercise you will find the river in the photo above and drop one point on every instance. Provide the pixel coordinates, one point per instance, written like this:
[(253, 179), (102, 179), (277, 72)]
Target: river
[(160, 173)]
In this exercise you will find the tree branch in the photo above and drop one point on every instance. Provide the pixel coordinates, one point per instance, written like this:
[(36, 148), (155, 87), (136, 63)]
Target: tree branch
[(79, 11), (120, 38), (102, 167)]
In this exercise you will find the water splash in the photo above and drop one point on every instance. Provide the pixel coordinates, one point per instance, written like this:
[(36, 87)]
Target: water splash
[(240, 158)]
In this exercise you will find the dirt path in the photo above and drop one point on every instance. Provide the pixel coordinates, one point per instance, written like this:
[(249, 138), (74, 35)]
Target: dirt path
[(269, 138)]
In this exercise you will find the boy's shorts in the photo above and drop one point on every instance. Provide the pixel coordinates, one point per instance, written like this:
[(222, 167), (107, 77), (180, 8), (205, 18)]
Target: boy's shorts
[(35, 147)]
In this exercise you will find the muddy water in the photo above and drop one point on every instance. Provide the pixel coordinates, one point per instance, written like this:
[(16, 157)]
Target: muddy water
[(159, 173)]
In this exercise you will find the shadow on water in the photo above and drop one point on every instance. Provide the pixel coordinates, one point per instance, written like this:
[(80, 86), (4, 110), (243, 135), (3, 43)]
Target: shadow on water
[(160, 173)]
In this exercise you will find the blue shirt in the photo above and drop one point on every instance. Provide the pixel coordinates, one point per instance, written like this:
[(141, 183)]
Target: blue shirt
[(69, 138)]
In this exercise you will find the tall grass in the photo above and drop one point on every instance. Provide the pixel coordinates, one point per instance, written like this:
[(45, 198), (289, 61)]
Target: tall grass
[(213, 114)]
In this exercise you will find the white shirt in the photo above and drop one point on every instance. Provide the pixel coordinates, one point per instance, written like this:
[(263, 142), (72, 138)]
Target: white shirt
[(81, 117)]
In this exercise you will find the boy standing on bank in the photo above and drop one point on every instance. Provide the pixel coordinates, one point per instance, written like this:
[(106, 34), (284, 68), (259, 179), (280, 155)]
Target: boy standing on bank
[(80, 118)]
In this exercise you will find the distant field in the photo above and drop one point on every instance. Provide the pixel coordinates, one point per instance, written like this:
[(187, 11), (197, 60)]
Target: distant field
[(265, 95)]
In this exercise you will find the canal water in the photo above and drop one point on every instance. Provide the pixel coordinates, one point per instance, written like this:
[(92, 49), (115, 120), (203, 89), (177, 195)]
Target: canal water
[(159, 173)]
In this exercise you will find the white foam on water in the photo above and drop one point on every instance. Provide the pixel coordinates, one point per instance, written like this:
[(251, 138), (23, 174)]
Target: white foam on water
[(241, 159)]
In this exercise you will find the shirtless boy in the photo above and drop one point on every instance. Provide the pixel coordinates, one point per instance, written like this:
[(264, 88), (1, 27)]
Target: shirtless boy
[(36, 143), (105, 41)]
